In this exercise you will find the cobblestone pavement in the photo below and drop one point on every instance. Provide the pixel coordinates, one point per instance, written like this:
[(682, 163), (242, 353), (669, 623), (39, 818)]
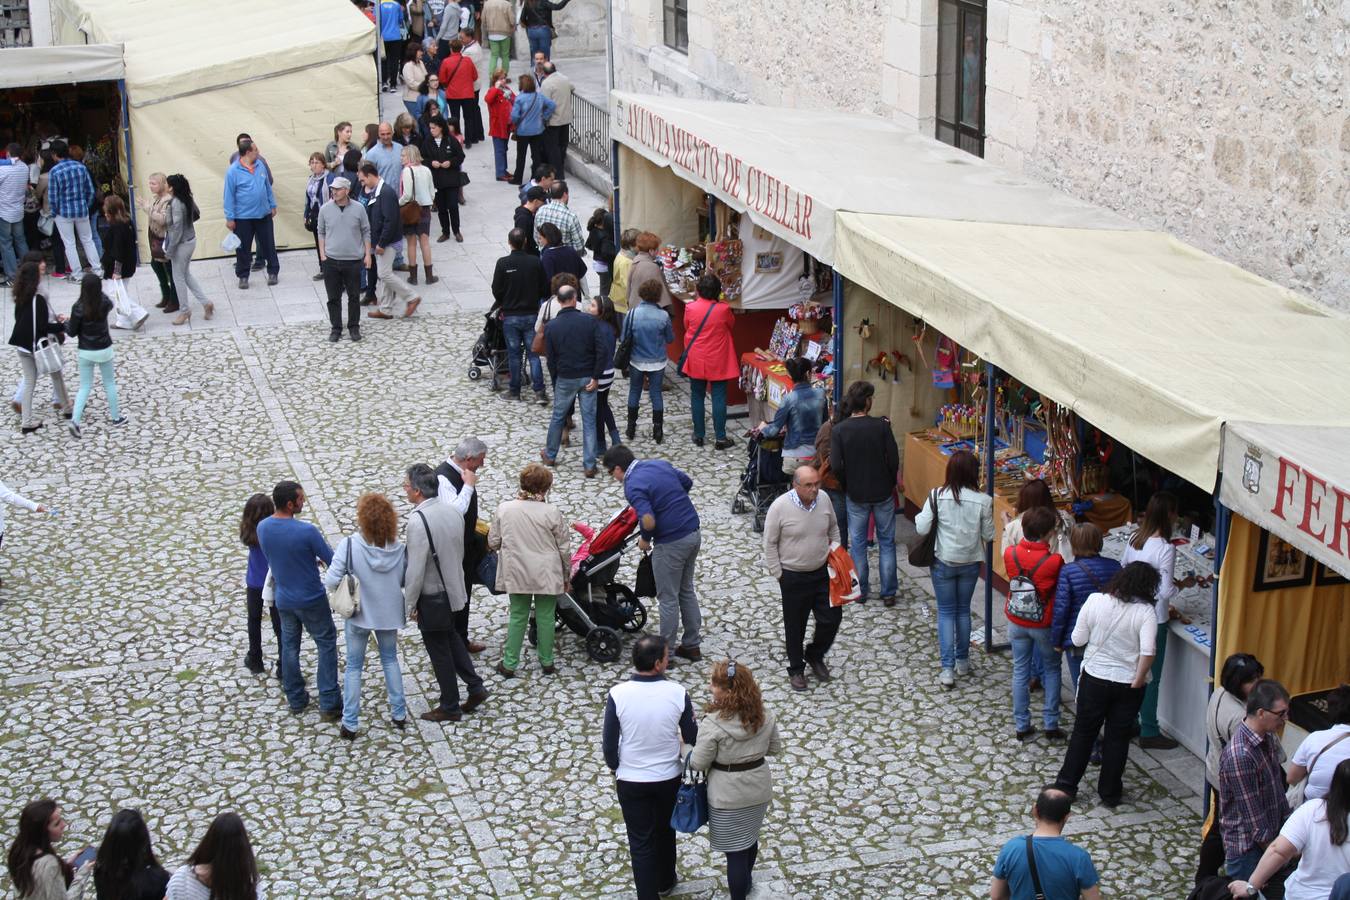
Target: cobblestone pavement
[(122, 636)]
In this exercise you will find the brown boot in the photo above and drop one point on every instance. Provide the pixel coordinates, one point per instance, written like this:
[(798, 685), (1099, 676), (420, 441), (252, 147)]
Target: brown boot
[(412, 275), (431, 279)]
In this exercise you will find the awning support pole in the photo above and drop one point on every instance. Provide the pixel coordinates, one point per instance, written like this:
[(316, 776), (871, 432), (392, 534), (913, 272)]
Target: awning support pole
[(614, 179), (990, 373), (126, 143), (838, 338), (712, 217), (1223, 524)]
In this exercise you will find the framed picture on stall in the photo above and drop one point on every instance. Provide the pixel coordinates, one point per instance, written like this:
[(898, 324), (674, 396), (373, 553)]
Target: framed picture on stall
[(1279, 564), (1327, 577)]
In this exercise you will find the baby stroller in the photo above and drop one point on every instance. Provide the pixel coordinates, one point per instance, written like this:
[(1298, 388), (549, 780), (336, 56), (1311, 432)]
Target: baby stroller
[(763, 479), (489, 351), (599, 607)]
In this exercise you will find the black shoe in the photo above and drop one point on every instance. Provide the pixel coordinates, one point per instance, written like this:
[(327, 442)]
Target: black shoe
[(355, 334), (400, 724), (271, 279), (258, 265), (1027, 735), (474, 701), (798, 681), (658, 425), (331, 715), (698, 441), (243, 284), (1158, 742), (819, 668), (1055, 734), (335, 335), (1111, 802), (345, 734), (254, 664), (724, 443)]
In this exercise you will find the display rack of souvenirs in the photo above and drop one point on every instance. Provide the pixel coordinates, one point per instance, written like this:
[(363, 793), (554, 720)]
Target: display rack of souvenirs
[(682, 267), (724, 261), (810, 318)]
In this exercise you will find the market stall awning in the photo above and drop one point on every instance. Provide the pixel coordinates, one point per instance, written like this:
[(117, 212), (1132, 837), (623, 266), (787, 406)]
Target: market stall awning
[(1293, 481), (791, 170), (35, 66), (1142, 335)]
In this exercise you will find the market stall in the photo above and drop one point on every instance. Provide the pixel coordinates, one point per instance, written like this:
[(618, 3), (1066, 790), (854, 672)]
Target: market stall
[(188, 93)]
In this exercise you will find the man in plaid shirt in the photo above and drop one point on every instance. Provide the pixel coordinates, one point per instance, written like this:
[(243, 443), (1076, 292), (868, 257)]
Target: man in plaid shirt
[(70, 191), (556, 211), (1252, 805)]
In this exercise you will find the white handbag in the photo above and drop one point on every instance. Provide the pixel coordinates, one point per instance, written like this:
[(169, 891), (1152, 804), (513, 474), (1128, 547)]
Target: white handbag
[(345, 600), (47, 358)]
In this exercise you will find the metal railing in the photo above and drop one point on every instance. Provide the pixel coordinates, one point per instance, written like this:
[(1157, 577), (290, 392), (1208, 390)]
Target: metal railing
[(589, 134)]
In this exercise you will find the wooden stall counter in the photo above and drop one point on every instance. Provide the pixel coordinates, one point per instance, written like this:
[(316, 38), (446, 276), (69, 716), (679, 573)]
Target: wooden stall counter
[(776, 377)]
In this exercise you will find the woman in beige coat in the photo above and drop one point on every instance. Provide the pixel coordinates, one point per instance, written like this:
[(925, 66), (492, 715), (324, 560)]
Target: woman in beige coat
[(732, 744), (533, 564)]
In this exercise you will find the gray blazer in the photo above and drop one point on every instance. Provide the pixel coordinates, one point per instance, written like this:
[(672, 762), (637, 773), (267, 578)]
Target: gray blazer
[(558, 88), (178, 228), (447, 530)]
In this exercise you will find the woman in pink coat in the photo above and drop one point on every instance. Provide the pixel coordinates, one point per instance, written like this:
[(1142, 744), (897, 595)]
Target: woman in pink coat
[(710, 357)]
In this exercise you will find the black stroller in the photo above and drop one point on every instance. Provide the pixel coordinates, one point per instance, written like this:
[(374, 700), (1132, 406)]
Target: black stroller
[(763, 479), (489, 351), (599, 607)]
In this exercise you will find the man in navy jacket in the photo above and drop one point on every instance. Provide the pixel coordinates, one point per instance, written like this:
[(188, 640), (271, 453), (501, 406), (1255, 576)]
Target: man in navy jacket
[(575, 351), (386, 231)]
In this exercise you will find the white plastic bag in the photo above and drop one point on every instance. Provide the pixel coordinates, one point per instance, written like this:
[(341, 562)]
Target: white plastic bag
[(231, 243)]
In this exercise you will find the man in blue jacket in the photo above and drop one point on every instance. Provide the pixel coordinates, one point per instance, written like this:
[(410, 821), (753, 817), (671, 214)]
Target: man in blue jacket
[(659, 494), (249, 210), (575, 351)]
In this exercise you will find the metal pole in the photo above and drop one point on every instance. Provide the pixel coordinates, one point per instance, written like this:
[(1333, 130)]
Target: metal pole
[(990, 373), (379, 67), (126, 142), (1223, 523), (838, 338)]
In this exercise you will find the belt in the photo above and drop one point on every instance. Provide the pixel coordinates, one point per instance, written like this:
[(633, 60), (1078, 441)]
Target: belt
[(739, 767)]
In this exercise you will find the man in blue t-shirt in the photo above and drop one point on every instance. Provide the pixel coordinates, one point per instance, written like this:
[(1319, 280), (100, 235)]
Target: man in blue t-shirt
[(293, 550), (1065, 871)]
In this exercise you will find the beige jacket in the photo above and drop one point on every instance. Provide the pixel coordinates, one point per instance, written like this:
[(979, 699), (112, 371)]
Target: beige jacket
[(534, 555), (558, 88), (645, 267), (497, 18), (726, 741)]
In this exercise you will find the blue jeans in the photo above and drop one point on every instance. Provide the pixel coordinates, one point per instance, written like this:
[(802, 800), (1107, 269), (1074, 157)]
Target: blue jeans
[(318, 621), (98, 240), (697, 388), (1341, 889), (1023, 639), (1243, 865), (1075, 660), (13, 246), (499, 148), (858, 515), (105, 368), (840, 504), (566, 390), (653, 389), (541, 40), (519, 331), (357, 640), (953, 586)]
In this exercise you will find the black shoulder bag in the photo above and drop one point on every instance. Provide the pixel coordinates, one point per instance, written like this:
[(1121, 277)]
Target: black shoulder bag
[(434, 612), (1031, 864), (623, 353), (922, 554), (689, 346)]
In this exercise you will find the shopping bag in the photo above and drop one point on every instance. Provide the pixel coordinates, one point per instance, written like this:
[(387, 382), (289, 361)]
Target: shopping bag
[(486, 573), (230, 243), (127, 312), (691, 803), (645, 583)]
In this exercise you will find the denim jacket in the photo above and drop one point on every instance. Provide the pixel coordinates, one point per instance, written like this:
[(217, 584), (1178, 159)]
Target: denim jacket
[(802, 412), (650, 326)]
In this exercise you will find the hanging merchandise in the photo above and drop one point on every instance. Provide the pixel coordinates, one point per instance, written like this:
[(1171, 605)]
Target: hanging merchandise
[(947, 364), (724, 259)]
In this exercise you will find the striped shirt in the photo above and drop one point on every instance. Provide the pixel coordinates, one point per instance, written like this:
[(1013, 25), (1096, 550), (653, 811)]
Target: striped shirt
[(70, 190)]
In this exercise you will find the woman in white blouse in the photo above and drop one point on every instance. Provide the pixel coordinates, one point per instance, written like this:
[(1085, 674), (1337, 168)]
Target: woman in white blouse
[(221, 868), (1118, 630), (416, 188), (1152, 544)]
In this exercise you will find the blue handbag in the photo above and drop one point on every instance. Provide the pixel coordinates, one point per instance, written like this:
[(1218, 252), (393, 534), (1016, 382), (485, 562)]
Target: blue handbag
[(691, 803)]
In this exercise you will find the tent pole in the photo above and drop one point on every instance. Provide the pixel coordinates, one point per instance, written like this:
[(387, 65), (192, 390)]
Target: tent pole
[(126, 143), (1223, 523), (838, 338), (990, 373), (614, 179), (712, 216)]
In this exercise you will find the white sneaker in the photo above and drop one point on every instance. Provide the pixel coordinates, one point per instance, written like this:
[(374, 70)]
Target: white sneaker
[(947, 679), (963, 667)]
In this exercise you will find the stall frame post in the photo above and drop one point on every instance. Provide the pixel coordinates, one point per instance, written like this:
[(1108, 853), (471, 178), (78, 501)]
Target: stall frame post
[(838, 289), (1223, 523), (125, 126), (712, 217), (614, 179), (990, 374)]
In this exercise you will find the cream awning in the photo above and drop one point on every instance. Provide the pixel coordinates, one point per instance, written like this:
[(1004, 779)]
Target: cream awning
[(74, 64)]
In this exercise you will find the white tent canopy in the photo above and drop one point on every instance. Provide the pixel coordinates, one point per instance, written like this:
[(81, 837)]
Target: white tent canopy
[(1295, 483), (791, 170), (35, 66)]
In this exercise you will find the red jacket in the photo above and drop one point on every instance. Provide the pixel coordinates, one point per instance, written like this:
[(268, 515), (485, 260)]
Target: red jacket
[(499, 105), (713, 356), (457, 75), (1021, 560)]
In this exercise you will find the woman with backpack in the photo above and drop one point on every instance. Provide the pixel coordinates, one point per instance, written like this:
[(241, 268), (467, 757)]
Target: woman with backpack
[(1117, 632), (88, 323), (180, 240), (965, 523), (1033, 572)]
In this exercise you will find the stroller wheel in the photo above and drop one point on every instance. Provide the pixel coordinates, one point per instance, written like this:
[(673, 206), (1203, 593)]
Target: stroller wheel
[(630, 607), (475, 373), (738, 504), (604, 644)]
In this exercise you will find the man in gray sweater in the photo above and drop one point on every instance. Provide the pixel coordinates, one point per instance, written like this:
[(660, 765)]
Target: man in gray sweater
[(799, 531), (344, 250)]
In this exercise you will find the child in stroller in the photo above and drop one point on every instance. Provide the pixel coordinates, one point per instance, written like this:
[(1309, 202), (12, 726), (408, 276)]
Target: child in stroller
[(598, 607), (489, 351), (763, 479)]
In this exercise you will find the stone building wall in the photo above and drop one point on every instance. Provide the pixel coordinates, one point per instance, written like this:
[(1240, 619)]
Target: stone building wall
[(581, 28), (1222, 122)]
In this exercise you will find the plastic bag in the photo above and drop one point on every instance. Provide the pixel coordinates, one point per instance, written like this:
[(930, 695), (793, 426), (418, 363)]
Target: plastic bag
[(231, 243)]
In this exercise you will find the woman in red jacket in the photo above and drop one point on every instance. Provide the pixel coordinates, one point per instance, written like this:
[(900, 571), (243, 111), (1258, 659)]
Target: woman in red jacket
[(710, 357), (457, 75), (500, 98)]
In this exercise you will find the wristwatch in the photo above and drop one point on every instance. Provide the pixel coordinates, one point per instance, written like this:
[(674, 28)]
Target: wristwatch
[(1251, 890)]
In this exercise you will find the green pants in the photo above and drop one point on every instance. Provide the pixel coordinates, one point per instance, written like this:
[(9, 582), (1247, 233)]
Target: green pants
[(499, 50), (1148, 711), (544, 605)]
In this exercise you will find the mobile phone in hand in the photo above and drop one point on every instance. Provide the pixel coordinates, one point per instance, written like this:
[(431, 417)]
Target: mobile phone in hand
[(85, 856)]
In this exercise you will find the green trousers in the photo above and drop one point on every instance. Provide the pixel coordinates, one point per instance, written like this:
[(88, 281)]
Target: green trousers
[(500, 56), (1148, 711), (544, 605)]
